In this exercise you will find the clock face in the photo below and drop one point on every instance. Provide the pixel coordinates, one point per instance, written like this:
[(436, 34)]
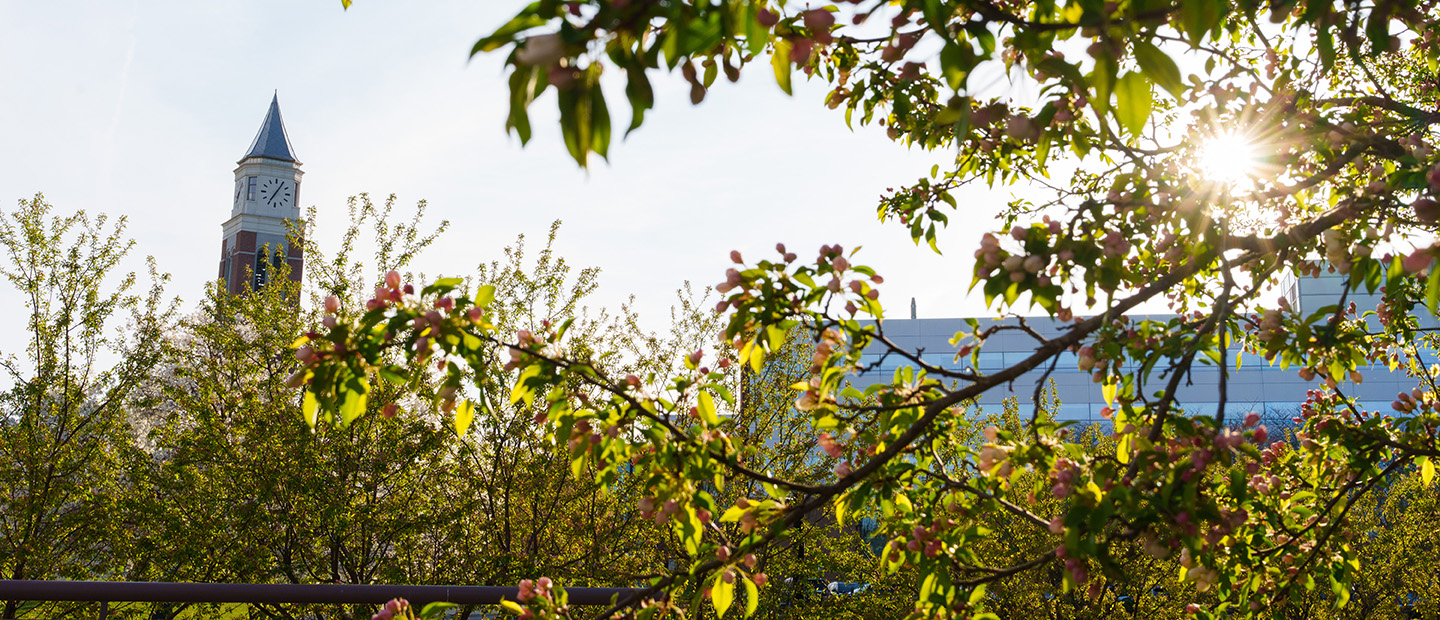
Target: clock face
[(276, 193)]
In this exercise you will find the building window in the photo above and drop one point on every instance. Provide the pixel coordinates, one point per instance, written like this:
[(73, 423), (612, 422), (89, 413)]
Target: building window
[(262, 271), (250, 192)]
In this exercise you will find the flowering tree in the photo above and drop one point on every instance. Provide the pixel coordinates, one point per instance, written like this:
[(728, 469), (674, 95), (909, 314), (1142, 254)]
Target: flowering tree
[(1211, 148)]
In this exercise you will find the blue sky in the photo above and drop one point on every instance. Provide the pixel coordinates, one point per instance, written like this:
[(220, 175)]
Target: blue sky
[(142, 109)]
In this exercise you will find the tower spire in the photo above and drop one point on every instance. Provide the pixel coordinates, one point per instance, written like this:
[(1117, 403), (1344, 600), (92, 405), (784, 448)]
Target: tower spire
[(272, 141), (260, 238)]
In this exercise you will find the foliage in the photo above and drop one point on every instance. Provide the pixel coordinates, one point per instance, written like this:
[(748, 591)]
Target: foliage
[(1123, 99), (63, 432), (233, 486)]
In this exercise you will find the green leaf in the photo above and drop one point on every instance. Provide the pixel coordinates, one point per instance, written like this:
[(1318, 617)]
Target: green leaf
[(599, 123), (1427, 470), (755, 33), (780, 59), (1199, 17), (707, 410), (640, 94), (310, 408), (521, 391), (394, 375), (1133, 100), (956, 61), (1159, 67), (575, 124), (1432, 291), (443, 285), (504, 34), (722, 594), (464, 414), (436, 610), (752, 597), (931, 10), (1102, 79), (512, 607)]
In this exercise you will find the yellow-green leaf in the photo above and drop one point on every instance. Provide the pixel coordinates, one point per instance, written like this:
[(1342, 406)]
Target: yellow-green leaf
[(310, 408), (353, 403), (707, 409), (1133, 100), (484, 295), (521, 391), (780, 59), (512, 607), (464, 414), (1432, 291), (1427, 471), (722, 594), (1159, 67), (752, 597)]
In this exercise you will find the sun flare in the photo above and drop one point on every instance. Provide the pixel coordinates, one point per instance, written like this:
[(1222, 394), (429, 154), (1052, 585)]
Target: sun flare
[(1228, 158)]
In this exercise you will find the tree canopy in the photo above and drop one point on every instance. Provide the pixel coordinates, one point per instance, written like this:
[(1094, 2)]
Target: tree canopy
[(1206, 149)]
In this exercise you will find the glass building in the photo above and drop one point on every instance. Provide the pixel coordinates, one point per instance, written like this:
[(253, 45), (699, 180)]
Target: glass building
[(1255, 385)]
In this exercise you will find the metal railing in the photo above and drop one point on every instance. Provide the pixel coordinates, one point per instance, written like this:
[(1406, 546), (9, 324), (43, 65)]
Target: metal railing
[(106, 592)]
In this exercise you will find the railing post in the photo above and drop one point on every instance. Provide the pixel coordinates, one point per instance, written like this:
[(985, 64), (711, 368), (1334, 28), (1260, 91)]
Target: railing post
[(104, 609)]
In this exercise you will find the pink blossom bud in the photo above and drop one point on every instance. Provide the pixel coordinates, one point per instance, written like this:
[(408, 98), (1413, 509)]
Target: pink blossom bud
[(329, 321), (696, 356), (392, 279), (842, 469), (759, 579), (332, 304), (723, 553), (1417, 261), (1057, 526), (1251, 419), (735, 257)]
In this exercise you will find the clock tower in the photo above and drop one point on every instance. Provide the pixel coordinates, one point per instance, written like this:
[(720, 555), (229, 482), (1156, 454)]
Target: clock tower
[(266, 203)]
